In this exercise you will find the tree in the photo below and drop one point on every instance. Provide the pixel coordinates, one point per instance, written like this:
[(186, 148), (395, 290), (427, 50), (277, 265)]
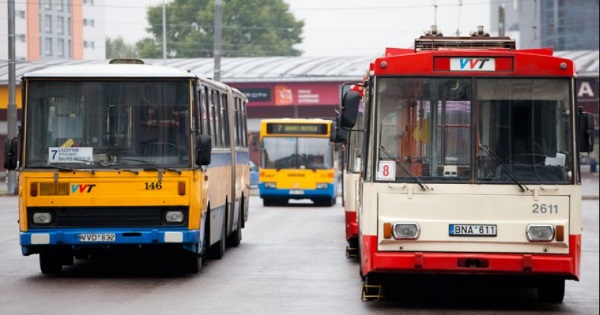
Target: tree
[(117, 48), (249, 28)]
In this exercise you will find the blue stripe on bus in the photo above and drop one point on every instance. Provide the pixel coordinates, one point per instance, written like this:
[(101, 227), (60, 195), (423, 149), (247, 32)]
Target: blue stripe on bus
[(308, 193), (122, 237)]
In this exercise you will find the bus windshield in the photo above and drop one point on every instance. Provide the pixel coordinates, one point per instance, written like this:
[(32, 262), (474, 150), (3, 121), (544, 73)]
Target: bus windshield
[(107, 123), (520, 127), (296, 153)]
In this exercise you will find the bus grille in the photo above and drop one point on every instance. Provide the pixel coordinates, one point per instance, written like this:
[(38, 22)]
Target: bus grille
[(74, 217), (54, 189)]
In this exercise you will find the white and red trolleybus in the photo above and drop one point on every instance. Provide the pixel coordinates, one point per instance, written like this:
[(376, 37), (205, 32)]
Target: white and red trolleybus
[(351, 141), (470, 164)]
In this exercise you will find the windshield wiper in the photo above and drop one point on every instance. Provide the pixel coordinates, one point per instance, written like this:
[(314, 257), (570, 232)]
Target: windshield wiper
[(503, 166), (68, 169), (149, 166), (404, 168)]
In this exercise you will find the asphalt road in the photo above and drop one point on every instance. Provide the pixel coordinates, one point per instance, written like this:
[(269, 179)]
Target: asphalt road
[(291, 261)]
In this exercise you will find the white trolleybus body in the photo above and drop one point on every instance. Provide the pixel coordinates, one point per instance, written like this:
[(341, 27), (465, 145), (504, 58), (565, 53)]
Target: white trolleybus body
[(470, 164)]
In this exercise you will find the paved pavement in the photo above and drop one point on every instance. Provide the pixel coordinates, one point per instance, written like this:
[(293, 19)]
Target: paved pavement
[(589, 185)]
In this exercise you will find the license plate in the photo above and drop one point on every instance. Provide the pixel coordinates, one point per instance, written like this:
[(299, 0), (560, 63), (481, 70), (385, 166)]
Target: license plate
[(296, 192), (473, 230), (96, 237)]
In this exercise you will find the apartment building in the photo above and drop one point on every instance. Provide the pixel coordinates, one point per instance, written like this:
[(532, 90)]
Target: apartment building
[(55, 30), (564, 25)]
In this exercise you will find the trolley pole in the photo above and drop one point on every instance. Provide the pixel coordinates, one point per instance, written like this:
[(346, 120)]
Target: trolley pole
[(164, 33), (217, 44), (12, 106)]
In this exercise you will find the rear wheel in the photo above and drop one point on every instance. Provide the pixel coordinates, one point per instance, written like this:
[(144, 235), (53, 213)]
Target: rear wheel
[(217, 250), (50, 263), (235, 238)]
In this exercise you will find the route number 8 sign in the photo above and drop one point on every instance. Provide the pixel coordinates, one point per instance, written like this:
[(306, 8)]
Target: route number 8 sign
[(386, 170)]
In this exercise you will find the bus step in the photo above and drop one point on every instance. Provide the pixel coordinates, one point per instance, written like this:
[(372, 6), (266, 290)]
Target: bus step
[(372, 292), (351, 252)]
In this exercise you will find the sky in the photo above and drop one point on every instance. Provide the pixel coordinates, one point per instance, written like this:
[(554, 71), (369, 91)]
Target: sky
[(338, 27)]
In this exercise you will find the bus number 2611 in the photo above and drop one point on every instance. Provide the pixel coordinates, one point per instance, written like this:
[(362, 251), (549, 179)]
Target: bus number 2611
[(543, 208)]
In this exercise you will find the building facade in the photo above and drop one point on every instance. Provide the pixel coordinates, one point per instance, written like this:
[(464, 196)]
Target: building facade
[(55, 30), (564, 25)]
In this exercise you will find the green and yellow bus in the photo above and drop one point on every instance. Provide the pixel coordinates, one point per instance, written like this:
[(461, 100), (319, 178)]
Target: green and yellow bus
[(129, 156), (296, 161)]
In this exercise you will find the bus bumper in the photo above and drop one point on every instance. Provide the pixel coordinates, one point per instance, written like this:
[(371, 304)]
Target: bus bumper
[(351, 225), (567, 266), (31, 242), (296, 193)]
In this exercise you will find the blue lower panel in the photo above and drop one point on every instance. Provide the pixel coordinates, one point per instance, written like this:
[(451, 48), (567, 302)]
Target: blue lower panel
[(72, 237), (287, 193)]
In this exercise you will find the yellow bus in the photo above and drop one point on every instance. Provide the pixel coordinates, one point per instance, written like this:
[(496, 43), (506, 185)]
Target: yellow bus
[(129, 156), (296, 161)]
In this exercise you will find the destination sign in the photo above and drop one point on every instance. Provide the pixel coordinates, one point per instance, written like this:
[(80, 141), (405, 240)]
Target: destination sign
[(290, 128)]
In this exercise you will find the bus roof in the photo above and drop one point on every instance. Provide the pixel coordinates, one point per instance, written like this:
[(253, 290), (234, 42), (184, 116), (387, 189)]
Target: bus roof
[(110, 71)]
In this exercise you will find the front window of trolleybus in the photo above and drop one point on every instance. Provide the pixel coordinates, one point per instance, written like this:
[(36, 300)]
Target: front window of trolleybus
[(296, 153), (426, 130), (108, 124), (524, 131)]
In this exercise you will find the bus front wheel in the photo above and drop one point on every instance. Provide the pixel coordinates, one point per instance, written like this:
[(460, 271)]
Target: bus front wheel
[(50, 263), (551, 290)]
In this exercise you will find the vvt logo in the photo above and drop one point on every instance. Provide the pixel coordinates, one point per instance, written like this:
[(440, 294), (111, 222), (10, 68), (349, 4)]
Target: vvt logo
[(82, 188), (472, 64)]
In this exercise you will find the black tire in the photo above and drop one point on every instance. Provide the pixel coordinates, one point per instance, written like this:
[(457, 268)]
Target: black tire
[(50, 263), (191, 263), (235, 238), (267, 202), (217, 250), (551, 290)]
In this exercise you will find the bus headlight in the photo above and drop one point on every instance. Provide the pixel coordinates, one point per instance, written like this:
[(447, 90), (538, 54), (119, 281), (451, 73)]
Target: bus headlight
[(42, 218), (406, 230), (270, 185), (174, 216), (322, 185), (540, 232)]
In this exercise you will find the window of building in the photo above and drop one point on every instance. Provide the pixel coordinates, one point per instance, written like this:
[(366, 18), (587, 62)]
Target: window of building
[(48, 46), (21, 14), (21, 37), (60, 24), (48, 23), (60, 49)]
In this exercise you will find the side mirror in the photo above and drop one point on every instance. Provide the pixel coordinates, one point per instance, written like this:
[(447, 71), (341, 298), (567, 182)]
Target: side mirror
[(586, 131), (11, 155), (338, 135), (350, 104), (203, 150)]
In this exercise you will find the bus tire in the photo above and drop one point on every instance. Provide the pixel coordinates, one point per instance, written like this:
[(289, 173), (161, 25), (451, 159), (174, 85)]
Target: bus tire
[(191, 262), (235, 238), (551, 290), (217, 250), (267, 202), (50, 263)]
